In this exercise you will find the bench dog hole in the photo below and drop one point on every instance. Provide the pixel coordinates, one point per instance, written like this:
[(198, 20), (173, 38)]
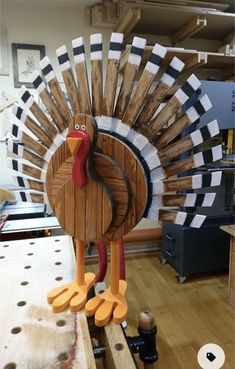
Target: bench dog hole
[(27, 267), (58, 263), (16, 330), (10, 366), (63, 356), (21, 303), (24, 283), (119, 346), (58, 278), (61, 322)]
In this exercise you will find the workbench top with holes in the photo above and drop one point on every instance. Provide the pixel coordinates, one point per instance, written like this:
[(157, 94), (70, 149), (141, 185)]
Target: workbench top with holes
[(31, 335)]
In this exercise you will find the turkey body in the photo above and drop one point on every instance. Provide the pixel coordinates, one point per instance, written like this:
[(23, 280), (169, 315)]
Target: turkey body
[(116, 190)]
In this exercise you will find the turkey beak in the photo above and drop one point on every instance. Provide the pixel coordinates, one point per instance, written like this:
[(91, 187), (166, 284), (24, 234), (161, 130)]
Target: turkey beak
[(74, 143)]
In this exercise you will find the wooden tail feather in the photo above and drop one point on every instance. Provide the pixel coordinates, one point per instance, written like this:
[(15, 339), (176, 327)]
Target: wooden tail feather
[(194, 161), (96, 73), (173, 105), (188, 142), (29, 102), (159, 94), (129, 75), (187, 183), (28, 141), (28, 183), (29, 196), (22, 153), (190, 116), (47, 100), (81, 74), (29, 123), (151, 69), (56, 91), (68, 77), (189, 200), (28, 170), (115, 50), (181, 218)]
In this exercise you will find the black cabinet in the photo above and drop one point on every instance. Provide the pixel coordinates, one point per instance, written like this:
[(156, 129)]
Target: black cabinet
[(191, 250)]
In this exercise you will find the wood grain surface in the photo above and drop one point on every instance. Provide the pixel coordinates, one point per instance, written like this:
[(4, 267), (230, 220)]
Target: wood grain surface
[(96, 86), (138, 97), (126, 89), (83, 90), (30, 268), (110, 87), (172, 132), (43, 120), (53, 110), (33, 145), (58, 95), (151, 105), (71, 89)]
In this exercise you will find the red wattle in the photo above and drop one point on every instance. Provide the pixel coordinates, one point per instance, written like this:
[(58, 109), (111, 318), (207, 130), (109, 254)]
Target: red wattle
[(79, 168)]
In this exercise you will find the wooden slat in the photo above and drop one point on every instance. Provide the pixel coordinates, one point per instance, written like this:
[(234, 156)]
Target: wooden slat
[(110, 88), (53, 110), (173, 131), (29, 102), (81, 74), (129, 76), (55, 89), (193, 26), (173, 105), (144, 84), (33, 145), (128, 21), (180, 166), (97, 86), (68, 77), (111, 78), (175, 149), (84, 95), (43, 120), (96, 73), (159, 94)]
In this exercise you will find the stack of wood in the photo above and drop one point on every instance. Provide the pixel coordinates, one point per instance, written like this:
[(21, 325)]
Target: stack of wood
[(229, 45), (110, 12)]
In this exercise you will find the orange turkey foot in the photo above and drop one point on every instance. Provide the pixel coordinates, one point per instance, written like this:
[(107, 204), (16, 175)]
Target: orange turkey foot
[(105, 305), (71, 295)]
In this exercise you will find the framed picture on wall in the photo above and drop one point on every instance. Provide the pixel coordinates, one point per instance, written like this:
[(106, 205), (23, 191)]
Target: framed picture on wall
[(25, 60)]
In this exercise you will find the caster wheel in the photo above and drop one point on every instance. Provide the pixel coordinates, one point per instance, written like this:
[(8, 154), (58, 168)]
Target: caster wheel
[(163, 260), (181, 279)]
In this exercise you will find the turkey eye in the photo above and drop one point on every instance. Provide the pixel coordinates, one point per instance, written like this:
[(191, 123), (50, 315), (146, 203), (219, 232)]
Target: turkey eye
[(83, 127), (76, 126)]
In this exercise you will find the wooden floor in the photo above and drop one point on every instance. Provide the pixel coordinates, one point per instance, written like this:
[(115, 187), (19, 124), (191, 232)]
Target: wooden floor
[(188, 315)]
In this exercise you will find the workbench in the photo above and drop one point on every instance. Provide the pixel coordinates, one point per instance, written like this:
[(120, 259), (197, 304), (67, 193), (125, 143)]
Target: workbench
[(31, 335), (231, 284)]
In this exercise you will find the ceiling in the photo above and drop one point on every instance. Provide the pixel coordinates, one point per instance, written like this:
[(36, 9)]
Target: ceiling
[(61, 2)]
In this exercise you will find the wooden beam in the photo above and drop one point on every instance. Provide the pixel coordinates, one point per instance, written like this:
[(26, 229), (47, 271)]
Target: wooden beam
[(128, 21), (195, 60), (189, 29)]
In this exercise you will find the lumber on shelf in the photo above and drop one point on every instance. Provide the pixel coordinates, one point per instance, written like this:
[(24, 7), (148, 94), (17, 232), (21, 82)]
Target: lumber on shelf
[(189, 29), (128, 21)]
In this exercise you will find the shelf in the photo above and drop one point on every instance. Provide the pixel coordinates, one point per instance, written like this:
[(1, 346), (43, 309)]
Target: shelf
[(223, 64), (162, 19)]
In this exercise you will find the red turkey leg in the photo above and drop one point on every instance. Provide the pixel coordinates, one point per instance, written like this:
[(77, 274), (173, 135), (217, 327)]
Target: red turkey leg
[(110, 303), (74, 294)]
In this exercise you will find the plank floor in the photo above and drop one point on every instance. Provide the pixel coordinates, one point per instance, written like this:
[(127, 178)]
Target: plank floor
[(188, 315)]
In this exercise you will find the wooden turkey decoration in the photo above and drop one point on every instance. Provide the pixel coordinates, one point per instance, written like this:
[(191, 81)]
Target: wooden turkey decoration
[(106, 158)]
